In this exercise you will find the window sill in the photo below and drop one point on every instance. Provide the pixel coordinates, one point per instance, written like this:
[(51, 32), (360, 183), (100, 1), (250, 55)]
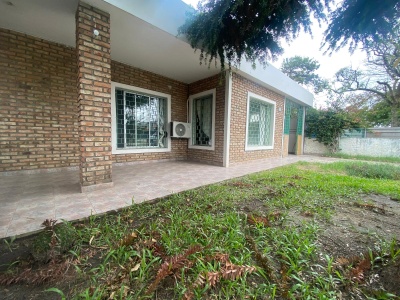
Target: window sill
[(208, 148), (255, 148), (143, 150)]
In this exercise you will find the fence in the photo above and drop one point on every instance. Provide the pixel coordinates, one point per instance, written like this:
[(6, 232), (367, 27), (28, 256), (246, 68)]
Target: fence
[(386, 132), (371, 142)]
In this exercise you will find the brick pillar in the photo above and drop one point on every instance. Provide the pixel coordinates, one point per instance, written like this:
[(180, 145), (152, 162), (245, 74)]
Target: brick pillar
[(94, 96)]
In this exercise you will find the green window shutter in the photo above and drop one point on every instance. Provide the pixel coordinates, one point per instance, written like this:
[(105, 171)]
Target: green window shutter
[(300, 112), (288, 110)]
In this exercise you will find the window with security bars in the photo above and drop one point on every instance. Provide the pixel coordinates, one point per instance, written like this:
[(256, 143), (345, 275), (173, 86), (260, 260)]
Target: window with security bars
[(202, 120), (141, 120), (260, 123)]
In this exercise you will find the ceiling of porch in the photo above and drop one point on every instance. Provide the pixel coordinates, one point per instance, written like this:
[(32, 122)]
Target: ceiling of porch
[(136, 40)]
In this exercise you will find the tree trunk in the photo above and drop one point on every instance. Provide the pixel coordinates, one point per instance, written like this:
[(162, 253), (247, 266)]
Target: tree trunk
[(395, 112)]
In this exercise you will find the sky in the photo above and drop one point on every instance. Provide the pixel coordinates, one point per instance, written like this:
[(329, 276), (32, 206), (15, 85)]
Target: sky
[(308, 46)]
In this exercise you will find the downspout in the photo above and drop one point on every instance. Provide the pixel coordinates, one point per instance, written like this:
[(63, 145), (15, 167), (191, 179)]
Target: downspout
[(227, 119)]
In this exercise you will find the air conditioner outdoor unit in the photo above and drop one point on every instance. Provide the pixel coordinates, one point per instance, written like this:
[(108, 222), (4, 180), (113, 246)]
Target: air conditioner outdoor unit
[(181, 130)]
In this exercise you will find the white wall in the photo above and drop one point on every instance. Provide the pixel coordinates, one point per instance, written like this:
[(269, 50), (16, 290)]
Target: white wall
[(312, 146), (357, 146), (370, 146)]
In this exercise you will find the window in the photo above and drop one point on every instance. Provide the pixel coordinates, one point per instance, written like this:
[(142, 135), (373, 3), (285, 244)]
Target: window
[(202, 108), (140, 119), (260, 123)]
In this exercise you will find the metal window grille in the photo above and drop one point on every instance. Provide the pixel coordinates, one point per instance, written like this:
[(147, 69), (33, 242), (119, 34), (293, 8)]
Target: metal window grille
[(260, 123), (141, 120)]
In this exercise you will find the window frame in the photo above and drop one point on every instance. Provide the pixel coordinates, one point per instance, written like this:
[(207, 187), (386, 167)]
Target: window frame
[(268, 101), (190, 112), (130, 88)]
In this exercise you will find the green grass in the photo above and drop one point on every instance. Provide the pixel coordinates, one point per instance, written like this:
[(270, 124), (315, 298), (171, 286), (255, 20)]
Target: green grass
[(378, 171), (389, 159), (366, 170), (238, 226)]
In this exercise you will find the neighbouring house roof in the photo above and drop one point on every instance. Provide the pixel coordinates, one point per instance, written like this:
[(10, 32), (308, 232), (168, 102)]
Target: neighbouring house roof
[(144, 34)]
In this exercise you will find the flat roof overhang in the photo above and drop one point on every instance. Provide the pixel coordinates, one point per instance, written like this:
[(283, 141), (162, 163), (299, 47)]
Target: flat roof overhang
[(143, 34)]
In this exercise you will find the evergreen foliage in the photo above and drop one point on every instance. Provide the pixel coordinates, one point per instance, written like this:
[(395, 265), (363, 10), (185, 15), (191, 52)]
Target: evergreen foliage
[(357, 21), (303, 70), (230, 30)]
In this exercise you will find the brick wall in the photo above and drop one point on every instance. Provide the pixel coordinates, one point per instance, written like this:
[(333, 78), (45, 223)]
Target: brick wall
[(213, 157), (38, 110), (126, 74), (240, 87)]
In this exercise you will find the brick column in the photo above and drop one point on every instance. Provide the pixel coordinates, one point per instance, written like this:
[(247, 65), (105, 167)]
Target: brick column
[(94, 96)]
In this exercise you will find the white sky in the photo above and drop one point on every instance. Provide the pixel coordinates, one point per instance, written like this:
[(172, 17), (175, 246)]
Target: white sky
[(308, 46)]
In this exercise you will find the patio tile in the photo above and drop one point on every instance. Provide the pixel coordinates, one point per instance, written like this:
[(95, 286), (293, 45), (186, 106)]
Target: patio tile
[(23, 224), (9, 194), (8, 208), (31, 205), (69, 189), (41, 213), (3, 231), (26, 200), (5, 221), (73, 214), (106, 208)]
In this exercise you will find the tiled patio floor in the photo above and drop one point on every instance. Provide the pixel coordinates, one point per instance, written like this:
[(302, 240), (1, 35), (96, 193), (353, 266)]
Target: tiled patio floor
[(26, 200)]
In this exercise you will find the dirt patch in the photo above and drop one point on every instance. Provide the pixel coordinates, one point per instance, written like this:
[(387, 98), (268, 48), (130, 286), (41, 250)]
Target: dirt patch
[(358, 227)]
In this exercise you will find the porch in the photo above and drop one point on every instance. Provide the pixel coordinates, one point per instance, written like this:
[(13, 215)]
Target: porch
[(28, 198)]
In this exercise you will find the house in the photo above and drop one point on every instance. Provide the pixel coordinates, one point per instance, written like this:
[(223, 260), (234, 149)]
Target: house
[(90, 83)]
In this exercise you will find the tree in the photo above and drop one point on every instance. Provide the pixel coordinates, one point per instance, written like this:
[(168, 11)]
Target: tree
[(230, 30), (303, 70), (365, 108), (326, 126), (357, 21), (378, 115), (382, 75)]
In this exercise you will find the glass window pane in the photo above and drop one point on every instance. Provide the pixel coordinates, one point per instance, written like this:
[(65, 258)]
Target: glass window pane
[(253, 126), (142, 121), (130, 120), (202, 121), (119, 96)]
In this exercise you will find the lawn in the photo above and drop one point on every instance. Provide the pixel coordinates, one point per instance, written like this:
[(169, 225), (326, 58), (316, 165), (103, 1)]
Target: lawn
[(304, 231)]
